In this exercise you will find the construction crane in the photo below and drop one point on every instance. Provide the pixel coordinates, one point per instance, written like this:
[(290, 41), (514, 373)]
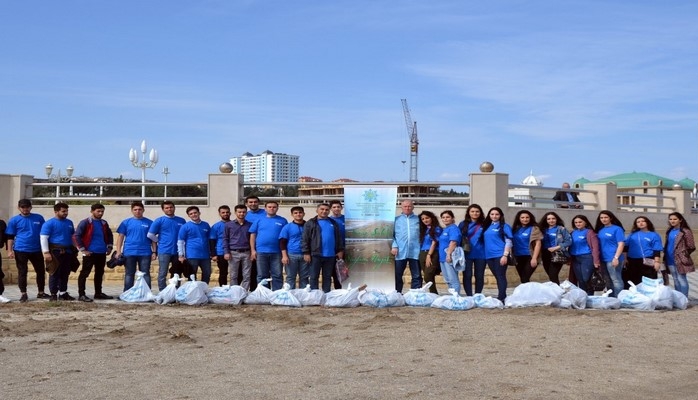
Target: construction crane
[(414, 141)]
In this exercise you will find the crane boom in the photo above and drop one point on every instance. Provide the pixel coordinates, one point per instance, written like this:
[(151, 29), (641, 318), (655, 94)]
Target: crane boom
[(414, 141)]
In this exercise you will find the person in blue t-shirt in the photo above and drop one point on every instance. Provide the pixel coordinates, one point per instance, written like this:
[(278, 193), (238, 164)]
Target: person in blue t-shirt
[(611, 236), (526, 244), (164, 231), (643, 246), (555, 238), (253, 213), (475, 263), (94, 239), (216, 238), (429, 232), (24, 246), (291, 252), (678, 246), (336, 215), (134, 244), (322, 245), (57, 245), (264, 245), (496, 236), (584, 252), (193, 246), (448, 240)]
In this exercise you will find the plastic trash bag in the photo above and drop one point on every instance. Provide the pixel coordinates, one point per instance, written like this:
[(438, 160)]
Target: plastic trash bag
[(453, 302), (420, 297), (192, 292), (576, 297), (534, 294), (654, 289), (167, 295), (226, 294), (261, 295), (487, 302), (342, 270), (344, 297), (139, 293), (4, 299), (635, 300), (679, 300), (603, 302), (284, 297), (380, 299), (309, 297)]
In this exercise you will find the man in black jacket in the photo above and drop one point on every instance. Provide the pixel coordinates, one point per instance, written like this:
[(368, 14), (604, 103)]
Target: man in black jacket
[(569, 197), (322, 245)]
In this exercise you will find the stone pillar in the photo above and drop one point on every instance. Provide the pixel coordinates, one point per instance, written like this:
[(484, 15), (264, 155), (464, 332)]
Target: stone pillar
[(224, 189), (682, 200), (489, 189), (606, 195), (12, 189)]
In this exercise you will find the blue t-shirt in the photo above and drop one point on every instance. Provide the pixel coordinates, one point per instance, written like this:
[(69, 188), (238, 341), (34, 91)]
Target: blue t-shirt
[(426, 243), (522, 241), (252, 216), (98, 242), (477, 248), (267, 232), (27, 231), (327, 236), (217, 232), (342, 229), (449, 234), (195, 237), (136, 242), (494, 244), (643, 244), (671, 245), (167, 229), (59, 231), (609, 237), (293, 233), (579, 244)]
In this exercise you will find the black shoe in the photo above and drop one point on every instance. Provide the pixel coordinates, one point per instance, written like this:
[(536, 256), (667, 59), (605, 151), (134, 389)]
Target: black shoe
[(43, 295), (102, 296), (53, 297), (24, 298), (66, 296), (84, 298)]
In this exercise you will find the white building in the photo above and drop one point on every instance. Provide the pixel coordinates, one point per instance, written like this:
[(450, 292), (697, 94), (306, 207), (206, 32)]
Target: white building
[(266, 167), (523, 196)]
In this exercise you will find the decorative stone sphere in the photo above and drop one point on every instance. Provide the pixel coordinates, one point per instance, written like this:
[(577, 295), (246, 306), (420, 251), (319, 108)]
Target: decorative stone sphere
[(226, 168), (486, 167)]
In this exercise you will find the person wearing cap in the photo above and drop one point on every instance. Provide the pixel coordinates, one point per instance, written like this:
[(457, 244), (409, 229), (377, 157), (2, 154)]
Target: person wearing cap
[(24, 246), (57, 245), (94, 239)]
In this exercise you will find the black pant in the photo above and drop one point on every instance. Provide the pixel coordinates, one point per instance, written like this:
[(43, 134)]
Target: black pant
[(22, 260), (551, 268), (636, 270), (2, 276), (58, 281), (98, 261), (523, 267), (222, 270)]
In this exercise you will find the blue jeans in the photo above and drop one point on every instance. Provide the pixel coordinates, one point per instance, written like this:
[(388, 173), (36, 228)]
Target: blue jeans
[(616, 275), (324, 265), (143, 263), (270, 264), (500, 274), (680, 280), (163, 267), (297, 267), (583, 266), (204, 264), (480, 265), (450, 276), (415, 272)]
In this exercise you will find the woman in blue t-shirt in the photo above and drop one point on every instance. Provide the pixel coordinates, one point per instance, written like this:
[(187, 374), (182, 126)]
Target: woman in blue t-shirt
[(644, 248), (448, 241), (429, 231), (496, 237), (527, 244), (584, 251), (611, 235), (678, 246), (471, 229), (555, 238)]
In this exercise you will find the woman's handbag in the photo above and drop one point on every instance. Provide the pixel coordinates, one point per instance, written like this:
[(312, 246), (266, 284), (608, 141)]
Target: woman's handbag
[(648, 261), (596, 283), (558, 256)]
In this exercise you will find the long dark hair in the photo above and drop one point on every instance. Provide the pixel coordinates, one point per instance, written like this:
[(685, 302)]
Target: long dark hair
[(468, 220), (517, 222), (614, 221), (587, 223), (543, 224), (682, 221), (650, 225), (488, 222), (423, 227)]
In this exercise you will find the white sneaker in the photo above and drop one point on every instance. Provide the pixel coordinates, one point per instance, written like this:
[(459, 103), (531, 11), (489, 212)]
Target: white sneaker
[(4, 299)]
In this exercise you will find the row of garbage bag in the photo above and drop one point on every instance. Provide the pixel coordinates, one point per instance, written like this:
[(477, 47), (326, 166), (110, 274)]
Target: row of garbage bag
[(651, 294)]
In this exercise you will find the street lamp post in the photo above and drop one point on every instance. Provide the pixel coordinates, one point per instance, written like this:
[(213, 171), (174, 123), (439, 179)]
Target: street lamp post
[(143, 164), (69, 171), (165, 171)]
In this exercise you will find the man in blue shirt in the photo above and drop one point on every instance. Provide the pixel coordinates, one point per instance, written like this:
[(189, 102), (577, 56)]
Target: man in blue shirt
[(192, 244), (321, 244), (135, 245), (291, 253), (406, 246), (264, 245), (236, 248), (164, 231), (57, 245), (253, 213), (94, 240), (217, 250), (24, 246), (336, 214)]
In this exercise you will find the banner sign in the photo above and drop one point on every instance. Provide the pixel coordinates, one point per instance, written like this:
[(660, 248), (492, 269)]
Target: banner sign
[(369, 219)]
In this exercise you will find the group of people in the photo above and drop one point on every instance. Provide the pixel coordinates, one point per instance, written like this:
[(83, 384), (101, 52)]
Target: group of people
[(486, 240), (254, 245)]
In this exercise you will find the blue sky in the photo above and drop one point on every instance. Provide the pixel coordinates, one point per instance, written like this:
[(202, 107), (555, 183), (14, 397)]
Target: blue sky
[(567, 89)]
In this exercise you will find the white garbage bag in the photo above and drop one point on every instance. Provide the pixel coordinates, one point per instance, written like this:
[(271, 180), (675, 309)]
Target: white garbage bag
[(139, 293), (679, 300), (380, 299), (420, 297), (603, 302), (261, 295), (344, 297), (534, 294), (661, 295), (284, 297), (309, 297), (635, 300), (167, 295), (576, 297), (192, 292), (453, 302), (227, 294), (487, 302)]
